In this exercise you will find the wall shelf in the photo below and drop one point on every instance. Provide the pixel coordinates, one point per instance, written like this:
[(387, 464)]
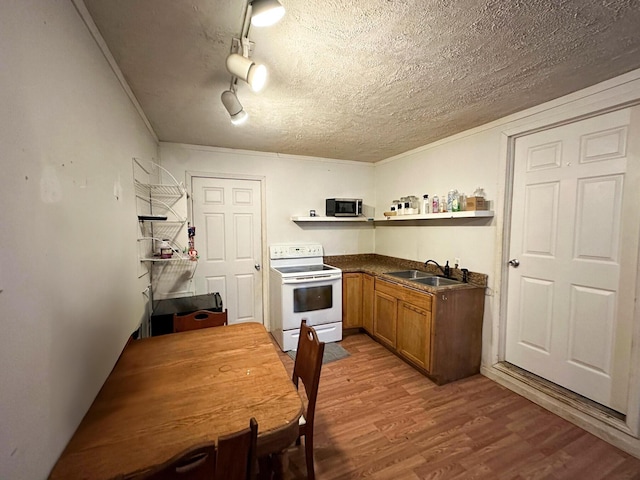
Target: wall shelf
[(152, 218), (167, 192), (331, 219), (440, 216), (427, 216), (178, 255), (175, 258)]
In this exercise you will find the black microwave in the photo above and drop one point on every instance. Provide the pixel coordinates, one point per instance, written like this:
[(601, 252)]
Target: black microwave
[(343, 207)]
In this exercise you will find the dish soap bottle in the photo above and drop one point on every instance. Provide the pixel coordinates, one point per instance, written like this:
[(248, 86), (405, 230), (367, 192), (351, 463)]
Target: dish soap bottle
[(425, 203)]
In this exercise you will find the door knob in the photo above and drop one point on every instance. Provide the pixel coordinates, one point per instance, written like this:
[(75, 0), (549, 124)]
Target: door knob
[(257, 266), (514, 262)]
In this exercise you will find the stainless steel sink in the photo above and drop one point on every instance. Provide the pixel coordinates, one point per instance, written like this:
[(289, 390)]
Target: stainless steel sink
[(437, 281), (424, 278), (410, 274)]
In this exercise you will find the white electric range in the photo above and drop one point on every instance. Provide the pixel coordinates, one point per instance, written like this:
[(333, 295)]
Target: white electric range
[(301, 287)]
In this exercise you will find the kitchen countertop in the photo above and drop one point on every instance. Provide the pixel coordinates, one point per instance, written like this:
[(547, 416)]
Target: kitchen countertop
[(381, 265)]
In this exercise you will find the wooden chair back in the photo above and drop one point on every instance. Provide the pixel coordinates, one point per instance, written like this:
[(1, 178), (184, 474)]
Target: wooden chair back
[(236, 458), (199, 319), (197, 463), (233, 459), (307, 367)]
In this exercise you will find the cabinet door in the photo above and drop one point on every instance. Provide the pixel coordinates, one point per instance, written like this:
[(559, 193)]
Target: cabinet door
[(351, 300), (414, 334), (385, 318), (367, 302)]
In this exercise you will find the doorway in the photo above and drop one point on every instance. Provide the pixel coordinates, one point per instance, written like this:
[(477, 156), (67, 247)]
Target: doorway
[(573, 254), (227, 214)]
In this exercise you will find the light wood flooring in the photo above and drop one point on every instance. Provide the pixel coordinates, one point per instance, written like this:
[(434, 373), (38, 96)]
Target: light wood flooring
[(378, 418)]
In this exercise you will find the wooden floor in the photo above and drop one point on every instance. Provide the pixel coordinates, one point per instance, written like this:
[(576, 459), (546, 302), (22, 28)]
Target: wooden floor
[(378, 418)]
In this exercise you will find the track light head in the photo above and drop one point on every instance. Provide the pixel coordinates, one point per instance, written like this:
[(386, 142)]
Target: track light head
[(266, 12), (234, 107), (243, 68)]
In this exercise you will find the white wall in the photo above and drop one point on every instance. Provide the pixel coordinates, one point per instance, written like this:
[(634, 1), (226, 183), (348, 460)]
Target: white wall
[(463, 165), (69, 291), (294, 186)]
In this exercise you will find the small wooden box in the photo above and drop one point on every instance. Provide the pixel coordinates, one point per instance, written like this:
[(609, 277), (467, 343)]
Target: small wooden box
[(476, 203)]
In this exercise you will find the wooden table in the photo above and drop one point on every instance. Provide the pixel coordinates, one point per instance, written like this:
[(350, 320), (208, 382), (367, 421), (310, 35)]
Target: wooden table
[(167, 393)]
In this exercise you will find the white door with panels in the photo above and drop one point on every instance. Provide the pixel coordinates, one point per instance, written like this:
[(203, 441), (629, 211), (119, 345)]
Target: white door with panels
[(574, 256), (227, 214)]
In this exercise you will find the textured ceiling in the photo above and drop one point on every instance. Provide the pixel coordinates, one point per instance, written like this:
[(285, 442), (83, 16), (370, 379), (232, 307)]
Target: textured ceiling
[(362, 80)]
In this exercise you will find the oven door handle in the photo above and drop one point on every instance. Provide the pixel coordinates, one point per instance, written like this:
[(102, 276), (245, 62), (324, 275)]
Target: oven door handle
[(314, 279)]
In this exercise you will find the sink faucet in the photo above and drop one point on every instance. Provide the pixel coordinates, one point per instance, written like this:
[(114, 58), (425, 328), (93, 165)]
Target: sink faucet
[(465, 275), (444, 270)]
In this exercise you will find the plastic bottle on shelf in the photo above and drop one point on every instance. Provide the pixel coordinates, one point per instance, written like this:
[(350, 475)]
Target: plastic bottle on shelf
[(425, 204), (435, 204), (443, 204), (453, 204)]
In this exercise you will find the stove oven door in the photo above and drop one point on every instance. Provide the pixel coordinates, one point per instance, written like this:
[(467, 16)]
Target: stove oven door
[(317, 298)]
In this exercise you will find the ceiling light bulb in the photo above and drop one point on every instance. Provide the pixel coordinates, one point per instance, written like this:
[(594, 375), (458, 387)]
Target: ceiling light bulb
[(243, 68), (257, 77), (266, 12), (239, 118), (234, 107)]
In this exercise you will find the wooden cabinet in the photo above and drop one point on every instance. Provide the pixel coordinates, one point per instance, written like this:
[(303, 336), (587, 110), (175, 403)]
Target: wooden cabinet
[(385, 318), (357, 301), (456, 334), (368, 295), (414, 334), (411, 322), (440, 334), (352, 300)]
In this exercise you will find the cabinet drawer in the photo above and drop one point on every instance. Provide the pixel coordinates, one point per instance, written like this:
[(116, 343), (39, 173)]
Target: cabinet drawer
[(419, 299)]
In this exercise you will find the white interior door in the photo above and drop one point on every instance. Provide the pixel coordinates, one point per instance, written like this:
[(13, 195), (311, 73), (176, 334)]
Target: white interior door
[(574, 232), (227, 217)]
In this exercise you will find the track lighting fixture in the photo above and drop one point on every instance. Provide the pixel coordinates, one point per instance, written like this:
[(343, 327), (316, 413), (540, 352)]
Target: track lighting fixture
[(245, 69), (266, 12), (240, 66), (234, 107)]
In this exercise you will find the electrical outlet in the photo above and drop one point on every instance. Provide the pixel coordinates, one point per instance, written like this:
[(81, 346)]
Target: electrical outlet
[(456, 262)]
